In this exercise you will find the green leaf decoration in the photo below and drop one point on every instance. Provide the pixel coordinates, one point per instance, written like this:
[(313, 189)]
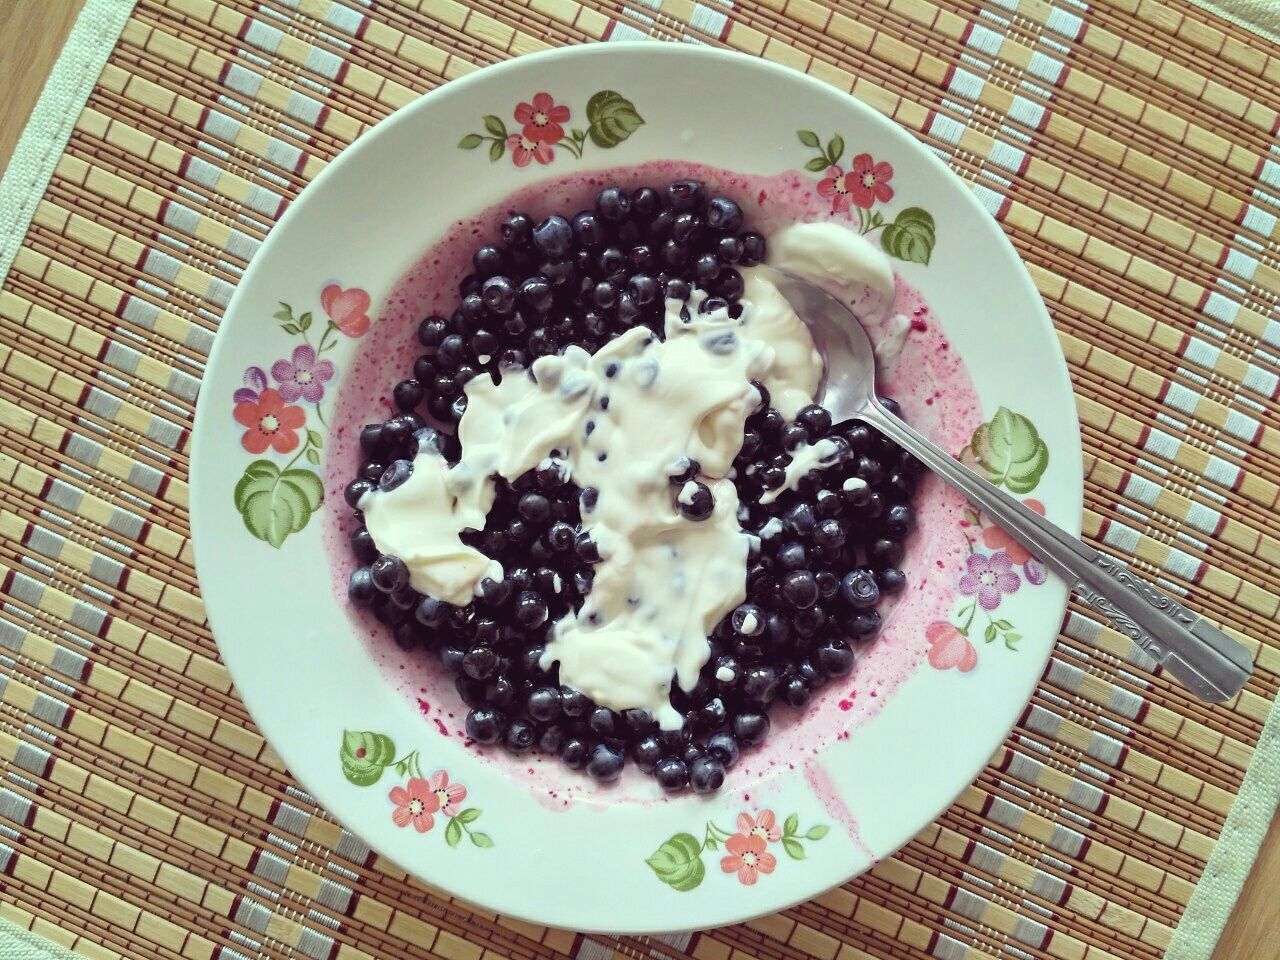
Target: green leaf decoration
[(711, 844), (817, 165), (578, 134), (469, 815), (678, 862), (612, 118), (315, 439), (496, 150), (304, 321), (453, 833), (1003, 624), (274, 504), (291, 328), (481, 839), (835, 148), (495, 126), (910, 237), (470, 141), (808, 138), (285, 315), (1009, 451), (791, 825), (990, 633), (794, 848), (364, 755), (313, 458), (818, 832), (1011, 640)]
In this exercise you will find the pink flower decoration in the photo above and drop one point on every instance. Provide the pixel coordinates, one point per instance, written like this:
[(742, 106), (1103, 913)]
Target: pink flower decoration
[(348, 309), (995, 538), (748, 858), (255, 381), (990, 578), (305, 377), (948, 648), (523, 150), (415, 803), (449, 796), (835, 187), (269, 423), (764, 825), (541, 120), (869, 181)]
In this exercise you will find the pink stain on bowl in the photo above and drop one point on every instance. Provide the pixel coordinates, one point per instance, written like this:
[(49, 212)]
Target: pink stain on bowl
[(930, 382)]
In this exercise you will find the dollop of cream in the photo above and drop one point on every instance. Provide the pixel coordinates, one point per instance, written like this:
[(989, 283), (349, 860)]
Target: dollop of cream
[(804, 459), (838, 259)]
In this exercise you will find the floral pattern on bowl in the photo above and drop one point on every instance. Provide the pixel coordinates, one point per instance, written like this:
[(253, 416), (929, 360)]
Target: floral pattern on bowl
[(417, 802), (678, 862), (1009, 452), (911, 236), (276, 502), (611, 118)]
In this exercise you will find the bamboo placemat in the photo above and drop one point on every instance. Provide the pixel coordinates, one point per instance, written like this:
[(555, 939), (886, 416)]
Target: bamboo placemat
[(1128, 149)]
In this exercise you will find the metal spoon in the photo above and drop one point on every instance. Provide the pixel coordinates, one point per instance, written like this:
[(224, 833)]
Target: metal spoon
[(1208, 662)]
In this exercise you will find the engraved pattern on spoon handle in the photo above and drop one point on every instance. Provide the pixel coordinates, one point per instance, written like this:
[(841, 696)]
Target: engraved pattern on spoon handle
[(1211, 664)]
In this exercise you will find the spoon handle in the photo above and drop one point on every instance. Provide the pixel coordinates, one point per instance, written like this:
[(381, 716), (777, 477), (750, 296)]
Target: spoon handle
[(1209, 663)]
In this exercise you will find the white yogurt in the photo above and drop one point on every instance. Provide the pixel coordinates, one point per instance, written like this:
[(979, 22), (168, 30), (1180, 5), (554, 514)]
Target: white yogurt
[(618, 420), (804, 459)]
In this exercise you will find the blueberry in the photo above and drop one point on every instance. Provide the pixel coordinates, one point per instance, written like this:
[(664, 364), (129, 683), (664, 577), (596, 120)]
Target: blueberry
[(585, 548), (553, 237), (499, 295), (869, 470), (603, 722), (643, 289), (552, 739), (531, 660), (543, 703), (588, 231), (471, 692), (613, 204), (814, 418), (748, 620), (432, 331), (405, 598), (725, 671), (724, 748), (793, 436), (891, 580), (694, 501), (796, 692), (899, 520), (809, 621), (712, 714), (792, 556), (500, 692), (355, 491), (560, 537), (706, 775), (885, 552), (372, 441), (724, 215), (485, 725), (834, 658), (534, 507), (488, 261), (672, 774), (520, 735), (856, 493), (362, 545), (674, 254), (683, 470), (800, 519), (389, 574), (516, 230), (574, 753), (573, 702), (536, 294), (728, 249), (859, 589), (760, 684), (753, 250), (706, 268), (530, 610), (480, 663), (685, 194), (800, 589), (750, 728), (360, 587), (778, 629), (646, 752), (397, 473), (864, 625), (431, 612), (605, 764), (645, 202), (676, 289)]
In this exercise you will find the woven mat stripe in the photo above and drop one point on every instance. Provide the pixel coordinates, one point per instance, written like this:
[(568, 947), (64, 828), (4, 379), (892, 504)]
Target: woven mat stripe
[(1002, 796)]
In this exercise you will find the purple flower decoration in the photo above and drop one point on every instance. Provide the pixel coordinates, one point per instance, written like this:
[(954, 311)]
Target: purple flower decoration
[(305, 377), (990, 578), (255, 381), (1035, 572)]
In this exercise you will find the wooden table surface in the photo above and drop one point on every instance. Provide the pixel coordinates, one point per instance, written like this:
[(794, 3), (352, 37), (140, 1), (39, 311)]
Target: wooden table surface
[(31, 34)]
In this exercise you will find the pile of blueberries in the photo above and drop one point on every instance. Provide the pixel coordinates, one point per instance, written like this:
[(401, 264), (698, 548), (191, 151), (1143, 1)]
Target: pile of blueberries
[(823, 557)]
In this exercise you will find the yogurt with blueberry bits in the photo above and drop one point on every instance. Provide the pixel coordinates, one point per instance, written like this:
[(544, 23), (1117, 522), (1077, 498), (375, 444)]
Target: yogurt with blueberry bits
[(651, 427)]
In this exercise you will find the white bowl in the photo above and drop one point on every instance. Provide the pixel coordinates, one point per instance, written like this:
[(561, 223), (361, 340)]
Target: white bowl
[(830, 794)]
